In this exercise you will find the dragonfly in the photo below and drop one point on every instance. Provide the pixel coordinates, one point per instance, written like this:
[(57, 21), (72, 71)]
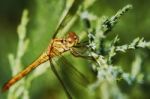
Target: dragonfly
[(57, 47)]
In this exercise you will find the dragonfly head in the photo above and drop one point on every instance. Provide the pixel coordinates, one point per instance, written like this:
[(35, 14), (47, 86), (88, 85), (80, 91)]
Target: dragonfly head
[(72, 39)]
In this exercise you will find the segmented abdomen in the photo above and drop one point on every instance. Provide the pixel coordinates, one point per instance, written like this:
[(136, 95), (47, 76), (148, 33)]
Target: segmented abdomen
[(43, 58)]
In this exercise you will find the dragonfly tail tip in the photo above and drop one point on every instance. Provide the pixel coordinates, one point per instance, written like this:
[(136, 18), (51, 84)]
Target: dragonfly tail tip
[(4, 89)]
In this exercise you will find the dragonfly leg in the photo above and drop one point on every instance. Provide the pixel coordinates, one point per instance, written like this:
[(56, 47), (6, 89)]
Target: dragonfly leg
[(60, 80), (82, 44), (77, 54)]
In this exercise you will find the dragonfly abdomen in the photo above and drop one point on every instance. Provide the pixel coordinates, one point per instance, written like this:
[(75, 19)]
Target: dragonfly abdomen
[(26, 71)]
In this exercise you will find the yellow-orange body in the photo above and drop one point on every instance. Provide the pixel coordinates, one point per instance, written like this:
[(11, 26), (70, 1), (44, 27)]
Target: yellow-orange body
[(55, 48)]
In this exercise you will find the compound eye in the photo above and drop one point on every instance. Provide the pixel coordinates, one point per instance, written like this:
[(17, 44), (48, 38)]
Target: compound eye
[(71, 34), (72, 38)]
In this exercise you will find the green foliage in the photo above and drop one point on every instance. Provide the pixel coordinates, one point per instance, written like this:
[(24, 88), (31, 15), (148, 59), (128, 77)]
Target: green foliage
[(107, 72), (20, 87), (111, 79)]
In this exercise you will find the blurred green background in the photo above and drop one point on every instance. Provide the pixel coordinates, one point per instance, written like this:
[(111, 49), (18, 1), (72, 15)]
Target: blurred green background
[(43, 18)]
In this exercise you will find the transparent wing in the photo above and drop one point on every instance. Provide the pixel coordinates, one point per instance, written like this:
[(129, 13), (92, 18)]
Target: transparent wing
[(69, 72), (71, 78), (68, 16), (77, 76), (59, 78)]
